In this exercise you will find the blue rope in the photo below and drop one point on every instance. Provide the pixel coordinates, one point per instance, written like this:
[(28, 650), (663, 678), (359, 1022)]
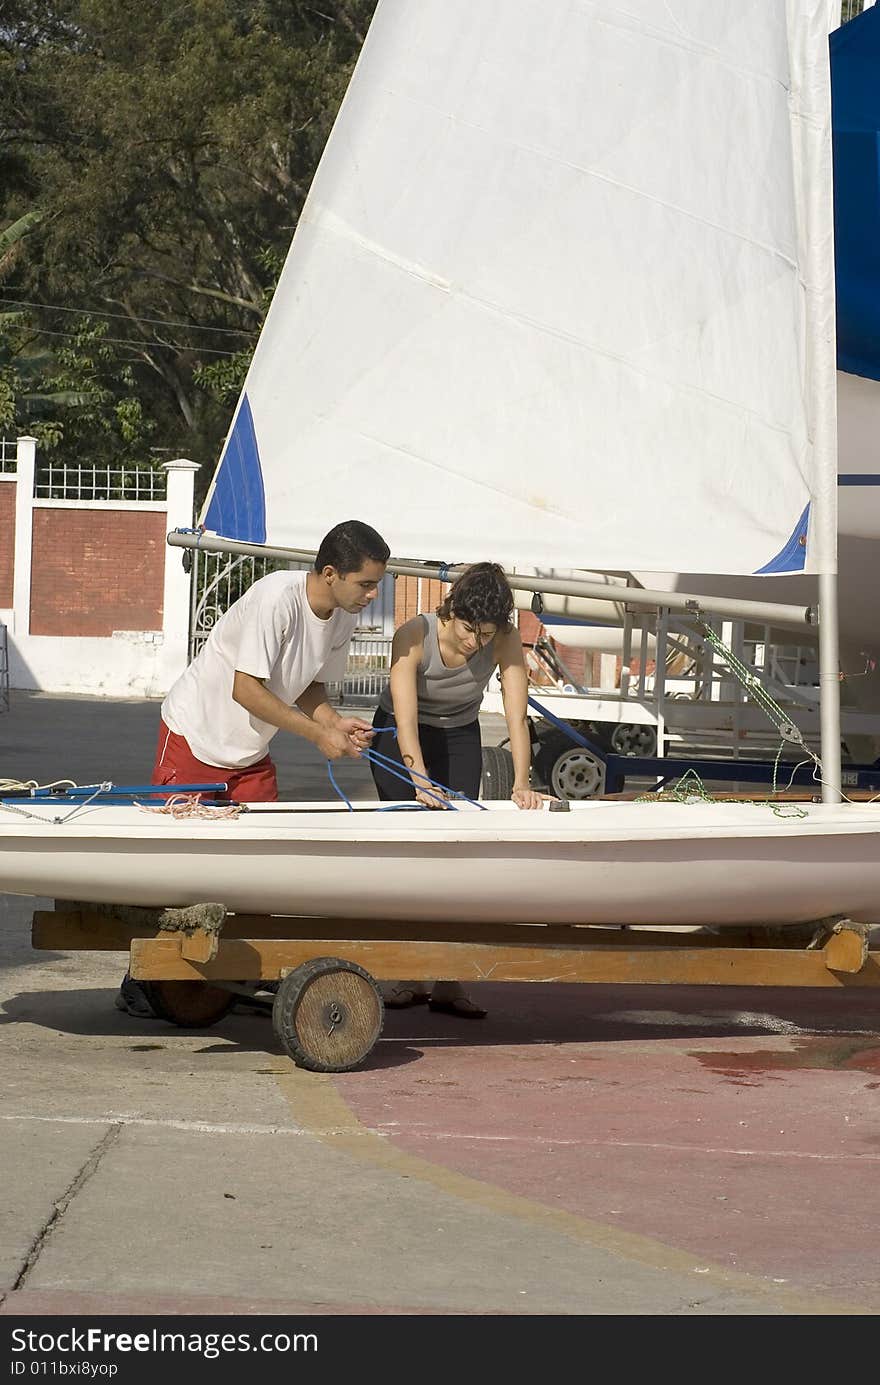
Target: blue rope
[(347, 801), (569, 730), (393, 767)]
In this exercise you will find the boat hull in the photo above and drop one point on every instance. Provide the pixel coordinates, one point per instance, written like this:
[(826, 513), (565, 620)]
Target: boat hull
[(626, 863)]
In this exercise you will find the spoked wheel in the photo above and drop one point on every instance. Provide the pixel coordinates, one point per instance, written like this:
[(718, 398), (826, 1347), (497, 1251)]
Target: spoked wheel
[(570, 771), (328, 1014), (188, 1004), (631, 739), (578, 773)]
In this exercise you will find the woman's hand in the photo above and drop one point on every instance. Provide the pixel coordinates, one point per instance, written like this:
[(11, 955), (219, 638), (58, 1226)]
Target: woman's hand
[(431, 797), (528, 798)]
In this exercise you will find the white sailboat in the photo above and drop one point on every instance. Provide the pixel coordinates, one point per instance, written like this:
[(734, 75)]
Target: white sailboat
[(553, 255)]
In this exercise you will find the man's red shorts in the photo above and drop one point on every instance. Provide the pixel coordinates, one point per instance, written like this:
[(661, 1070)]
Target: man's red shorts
[(176, 764)]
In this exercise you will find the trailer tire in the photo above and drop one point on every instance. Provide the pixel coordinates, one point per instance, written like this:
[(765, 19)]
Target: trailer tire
[(188, 1004), (568, 770), (328, 1014)]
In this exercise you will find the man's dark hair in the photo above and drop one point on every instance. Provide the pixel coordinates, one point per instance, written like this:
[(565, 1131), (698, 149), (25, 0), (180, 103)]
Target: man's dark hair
[(349, 545), (480, 596)]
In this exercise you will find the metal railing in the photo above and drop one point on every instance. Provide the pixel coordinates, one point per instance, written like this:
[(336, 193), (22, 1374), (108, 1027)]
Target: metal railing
[(851, 9), (77, 482), (4, 669), (217, 582), (369, 663)]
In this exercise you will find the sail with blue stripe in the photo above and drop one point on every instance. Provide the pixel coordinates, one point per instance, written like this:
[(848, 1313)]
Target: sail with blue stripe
[(561, 293)]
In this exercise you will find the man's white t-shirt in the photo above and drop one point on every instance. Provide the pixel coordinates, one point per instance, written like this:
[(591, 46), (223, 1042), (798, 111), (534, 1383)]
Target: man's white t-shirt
[(272, 633)]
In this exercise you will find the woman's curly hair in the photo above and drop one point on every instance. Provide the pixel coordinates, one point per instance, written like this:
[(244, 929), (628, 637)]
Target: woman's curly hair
[(480, 596)]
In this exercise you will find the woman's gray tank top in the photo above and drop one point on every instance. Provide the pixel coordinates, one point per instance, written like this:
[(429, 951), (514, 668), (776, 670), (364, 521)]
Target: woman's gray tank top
[(447, 696)]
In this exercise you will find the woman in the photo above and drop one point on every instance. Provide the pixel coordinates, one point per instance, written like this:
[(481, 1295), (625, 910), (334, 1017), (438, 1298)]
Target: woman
[(440, 667)]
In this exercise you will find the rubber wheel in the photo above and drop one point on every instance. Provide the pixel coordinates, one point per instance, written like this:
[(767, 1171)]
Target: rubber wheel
[(631, 739), (497, 776), (568, 770), (328, 1015), (188, 1004)]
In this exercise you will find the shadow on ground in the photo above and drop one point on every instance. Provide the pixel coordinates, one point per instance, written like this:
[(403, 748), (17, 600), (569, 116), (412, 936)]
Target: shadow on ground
[(519, 1016)]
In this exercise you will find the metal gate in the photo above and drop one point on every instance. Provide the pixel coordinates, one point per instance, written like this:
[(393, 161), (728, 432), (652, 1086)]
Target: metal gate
[(218, 580)]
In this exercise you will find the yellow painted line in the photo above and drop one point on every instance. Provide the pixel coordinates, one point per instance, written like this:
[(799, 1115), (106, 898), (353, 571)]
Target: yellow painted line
[(320, 1110)]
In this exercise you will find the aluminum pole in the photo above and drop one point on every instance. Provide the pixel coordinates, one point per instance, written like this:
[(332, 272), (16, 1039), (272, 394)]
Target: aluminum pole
[(680, 602), (829, 688)]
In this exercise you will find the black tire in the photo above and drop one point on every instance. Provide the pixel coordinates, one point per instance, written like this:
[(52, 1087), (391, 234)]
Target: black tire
[(497, 777), (188, 1004), (569, 770), (328, 1015)]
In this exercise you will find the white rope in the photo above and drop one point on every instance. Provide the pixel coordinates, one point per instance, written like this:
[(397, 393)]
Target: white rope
[(17, 785), (185, 805)]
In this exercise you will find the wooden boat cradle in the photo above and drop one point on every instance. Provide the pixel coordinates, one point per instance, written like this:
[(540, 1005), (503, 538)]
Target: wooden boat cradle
[(328, 1011)]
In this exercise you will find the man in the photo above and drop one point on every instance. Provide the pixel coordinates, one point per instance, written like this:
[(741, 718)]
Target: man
[(264, 669)]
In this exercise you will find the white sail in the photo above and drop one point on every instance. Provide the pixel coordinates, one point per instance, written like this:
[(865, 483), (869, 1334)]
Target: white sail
[(561, 295)]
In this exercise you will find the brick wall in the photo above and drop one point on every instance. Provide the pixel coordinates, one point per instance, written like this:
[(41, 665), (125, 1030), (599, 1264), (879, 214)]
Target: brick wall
[(406, 597), (96, 571), (583, 663), (7, 541)]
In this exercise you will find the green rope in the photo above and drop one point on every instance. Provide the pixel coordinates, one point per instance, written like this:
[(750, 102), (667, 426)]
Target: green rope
[(756, 689), (690, 787)]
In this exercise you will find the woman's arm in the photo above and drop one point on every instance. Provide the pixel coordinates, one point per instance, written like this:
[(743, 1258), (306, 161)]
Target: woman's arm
[(515, 694), (407, 649)]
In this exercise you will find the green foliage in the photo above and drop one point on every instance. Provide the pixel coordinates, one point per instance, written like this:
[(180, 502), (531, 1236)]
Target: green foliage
[(153, 165)]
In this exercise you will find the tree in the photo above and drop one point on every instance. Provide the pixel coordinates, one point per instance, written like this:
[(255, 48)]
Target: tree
[(166, 152)]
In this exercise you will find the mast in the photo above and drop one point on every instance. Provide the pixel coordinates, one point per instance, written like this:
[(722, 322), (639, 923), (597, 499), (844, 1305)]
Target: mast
[(829, 688), (811, 61)]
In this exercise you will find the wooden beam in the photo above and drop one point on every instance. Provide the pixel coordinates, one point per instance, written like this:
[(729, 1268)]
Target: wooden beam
[(160, 959), (83, 930)]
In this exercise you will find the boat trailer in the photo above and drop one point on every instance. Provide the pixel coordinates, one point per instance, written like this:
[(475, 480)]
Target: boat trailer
[(328, 1012)]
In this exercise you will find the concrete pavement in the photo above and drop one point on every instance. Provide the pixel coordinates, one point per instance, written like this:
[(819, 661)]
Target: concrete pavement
[(584, 1150)]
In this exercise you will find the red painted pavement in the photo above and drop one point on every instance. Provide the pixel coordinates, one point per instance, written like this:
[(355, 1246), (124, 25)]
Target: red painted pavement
[(742, 1126)]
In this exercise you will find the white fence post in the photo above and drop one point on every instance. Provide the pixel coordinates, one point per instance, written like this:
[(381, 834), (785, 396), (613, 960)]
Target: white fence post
[(26, 460), (181, 475)]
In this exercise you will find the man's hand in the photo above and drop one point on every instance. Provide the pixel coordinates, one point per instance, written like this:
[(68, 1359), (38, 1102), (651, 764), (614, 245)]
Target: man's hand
[(359, 732), (335, 743)]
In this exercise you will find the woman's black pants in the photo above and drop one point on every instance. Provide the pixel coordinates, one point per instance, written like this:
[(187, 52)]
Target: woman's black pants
[(452, 755)]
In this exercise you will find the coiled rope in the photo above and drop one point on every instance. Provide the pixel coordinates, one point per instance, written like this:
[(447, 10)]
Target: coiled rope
[(190, 805)]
